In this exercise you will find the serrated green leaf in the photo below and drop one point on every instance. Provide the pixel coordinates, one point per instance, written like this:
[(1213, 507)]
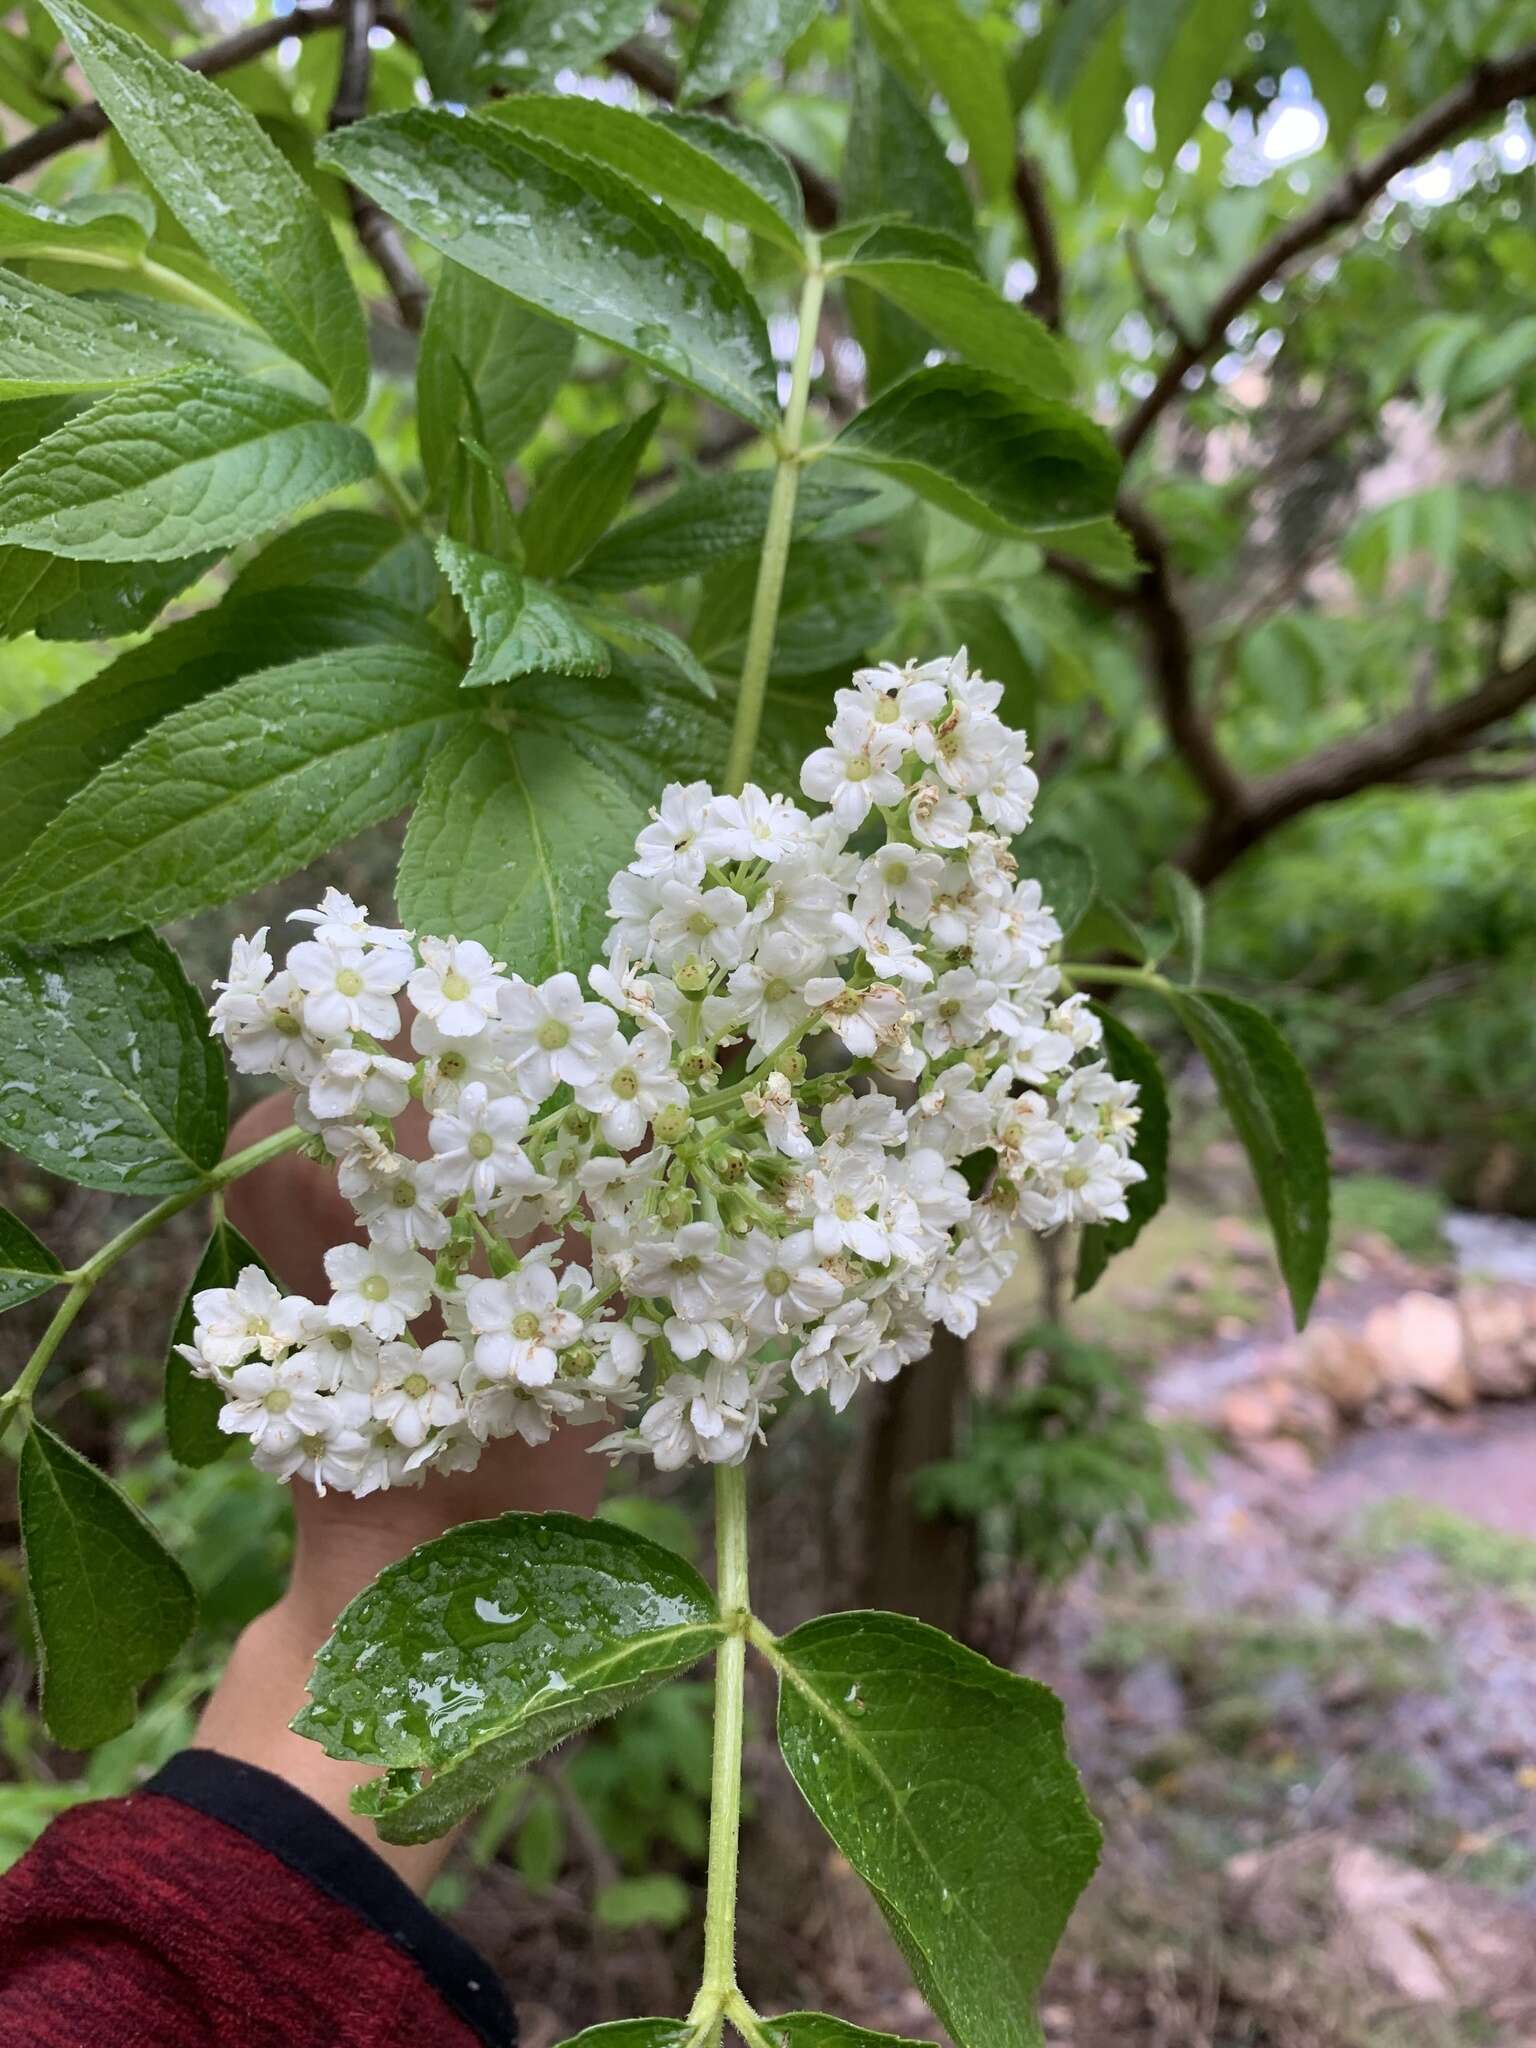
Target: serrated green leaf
[(175, 467), (987, 449), (110, 1077), (833, 609), (711, 520), (963, 312), (535, 1625), (1266, 1094), (534, 39), (204, 337), (236, 790), (27, 1267), (572, 239), (633, 2034), (110, 1604), (192, 1405), (1065, 871), (236, 195), (62, 599), (820, 2030), (1185, 907), (946, 1784), (579, 497), (688, 160), (894, 165), (107, 223), (50, 342), (1130, 1059), (736, 40), (514, 360), (518, 626), (634, 635), (351, 549), (940, 47), (46, 759)]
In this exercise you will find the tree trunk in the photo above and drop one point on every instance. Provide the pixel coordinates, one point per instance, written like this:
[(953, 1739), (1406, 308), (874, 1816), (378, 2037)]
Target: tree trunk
[(923, 1565)]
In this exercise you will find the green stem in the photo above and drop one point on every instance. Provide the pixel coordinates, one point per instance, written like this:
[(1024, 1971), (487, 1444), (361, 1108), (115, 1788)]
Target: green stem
[(776, 537), (719, 1983), (85, 1277), (1129, 977)]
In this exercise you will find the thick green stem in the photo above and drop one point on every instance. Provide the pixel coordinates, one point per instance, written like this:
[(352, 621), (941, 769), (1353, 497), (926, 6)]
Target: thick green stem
[(1128, 977), (781, 520), (84, 1278), (725, 1776)]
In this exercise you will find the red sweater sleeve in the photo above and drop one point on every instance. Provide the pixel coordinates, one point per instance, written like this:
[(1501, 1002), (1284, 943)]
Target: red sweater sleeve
[(220, 1906)]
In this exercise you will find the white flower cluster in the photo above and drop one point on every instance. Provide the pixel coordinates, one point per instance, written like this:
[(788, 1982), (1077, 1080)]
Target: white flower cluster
[(825, 1073)]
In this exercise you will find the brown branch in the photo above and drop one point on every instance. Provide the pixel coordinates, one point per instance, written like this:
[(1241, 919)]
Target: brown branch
[(1390, 752), (639, 63), (1486, 91), (1046, 300), (87, 120), (373, 227)]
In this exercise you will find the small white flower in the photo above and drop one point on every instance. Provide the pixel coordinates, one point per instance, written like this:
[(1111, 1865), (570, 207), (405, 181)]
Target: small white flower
[(865, 1019), (475, 1150), (519, 1326), (341, 922), (229, 1323), (708, 923), (844, 1189), (263, 1026), (456, 986), (860, 768), (550, 1034), (898, 881), (668, 848), (348, 988), (938, 817), (402, 1212), (689, 1268), (448, 1065), (633, 1081), (955, 1011), (752, 826), (782, 1283), (766, 993), (418, 1390), (274, 1403), (773, 1100), (377, 1287), (353, 1082)]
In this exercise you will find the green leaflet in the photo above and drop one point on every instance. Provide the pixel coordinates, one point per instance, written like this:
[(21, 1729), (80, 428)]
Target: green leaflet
[(737, 39), (574, 240), (110, 1604), (27, 1267), (938, 44), (688, 160), (820, 2030), (577, 498), (1130, 1059), (235, 790), (514, 360), (351, 549), (45, 760), (61, 599), (109, 223), (1204, 38), (483, 1649), (711, 520), (110, 1077), (987, 449), (946, 1784), (50, 342), (1065, 871), (192, 1405), (967, 315), (175, 467), (518, 626), (533, 39), (632, 2034), (1267, 1096), (236, 195)]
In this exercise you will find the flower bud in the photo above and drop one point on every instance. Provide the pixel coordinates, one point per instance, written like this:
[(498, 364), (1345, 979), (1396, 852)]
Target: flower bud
[(671, 1123), (791, 1065), (692, 977), (698, 1068), (731, 1165)]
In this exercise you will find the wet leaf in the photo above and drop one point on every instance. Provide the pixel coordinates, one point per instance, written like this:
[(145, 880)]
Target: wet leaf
[(47, 758), (110, 1603), (175, 467), (50, 342), (27, 1267), (1130, 1059), (946, 1784), (633, 2034), (483, 1649), (107, 1074), (513, 359), (967, 315), (1267, 1095), (192, 1405), (711, 520), (60, 599), (987, 449), (819, 2030), (737, 39), (236, 195), (518, 625), (535, 39), (688, 160), (579, 497), (116, 224), (940, 47), (236, 790), (572, 239)]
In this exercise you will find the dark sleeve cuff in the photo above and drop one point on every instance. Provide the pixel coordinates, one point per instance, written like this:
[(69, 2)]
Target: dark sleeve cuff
[(301, 1834)]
